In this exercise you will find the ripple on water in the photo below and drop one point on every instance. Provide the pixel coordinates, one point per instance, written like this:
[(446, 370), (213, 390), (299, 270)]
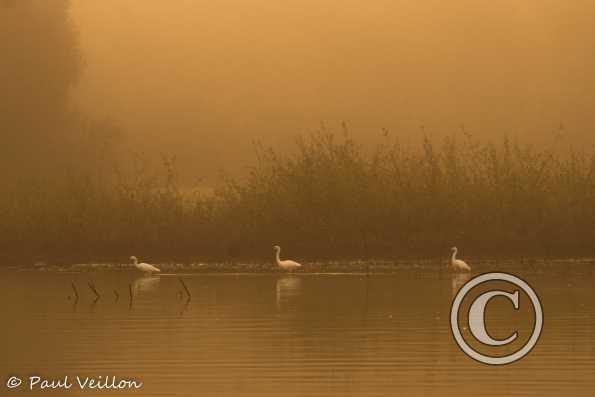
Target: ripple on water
[(285, 335)]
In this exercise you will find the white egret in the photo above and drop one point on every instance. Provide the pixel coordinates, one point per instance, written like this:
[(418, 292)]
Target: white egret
[(457, 264), (144, 267), (286, 264)]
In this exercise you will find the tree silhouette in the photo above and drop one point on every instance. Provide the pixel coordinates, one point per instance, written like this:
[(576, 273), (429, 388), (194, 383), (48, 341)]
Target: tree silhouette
[(40, 63)]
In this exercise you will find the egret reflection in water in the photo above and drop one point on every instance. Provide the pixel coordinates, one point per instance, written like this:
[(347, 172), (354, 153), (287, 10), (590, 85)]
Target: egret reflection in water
[(289, 288), (146, 284), (458, 280)]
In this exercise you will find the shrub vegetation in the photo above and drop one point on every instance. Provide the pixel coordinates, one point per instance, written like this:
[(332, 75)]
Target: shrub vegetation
[(331, 198)]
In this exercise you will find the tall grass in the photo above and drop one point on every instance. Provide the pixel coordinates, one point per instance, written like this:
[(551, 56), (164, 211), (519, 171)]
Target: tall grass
[(331, 198)]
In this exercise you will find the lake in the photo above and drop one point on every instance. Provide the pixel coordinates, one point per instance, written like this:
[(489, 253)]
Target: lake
[(269, 333)]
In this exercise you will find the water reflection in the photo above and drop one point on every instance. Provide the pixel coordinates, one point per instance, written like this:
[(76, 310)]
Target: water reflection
[(457, 281), (288, 290), (146, 284), (287, 335)]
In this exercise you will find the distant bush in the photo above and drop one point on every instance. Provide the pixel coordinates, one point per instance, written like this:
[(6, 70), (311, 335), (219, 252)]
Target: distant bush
[(330, 199)]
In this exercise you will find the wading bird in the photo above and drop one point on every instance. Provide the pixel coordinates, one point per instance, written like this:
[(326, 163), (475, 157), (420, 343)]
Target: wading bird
[(457, 264), (144, 267), (286, 264)]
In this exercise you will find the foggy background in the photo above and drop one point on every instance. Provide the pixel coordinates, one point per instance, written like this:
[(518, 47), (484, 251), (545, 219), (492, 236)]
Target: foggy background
[(202, 79), (99, 97)]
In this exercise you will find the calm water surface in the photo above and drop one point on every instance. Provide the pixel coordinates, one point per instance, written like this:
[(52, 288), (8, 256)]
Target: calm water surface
[(278, 334)]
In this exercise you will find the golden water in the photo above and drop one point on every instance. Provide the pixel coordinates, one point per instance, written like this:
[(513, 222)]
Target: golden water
[(283, 335)]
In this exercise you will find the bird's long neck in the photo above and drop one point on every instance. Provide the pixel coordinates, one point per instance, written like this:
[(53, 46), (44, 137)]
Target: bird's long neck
[(278, 257), (135, 261), (454, 256)]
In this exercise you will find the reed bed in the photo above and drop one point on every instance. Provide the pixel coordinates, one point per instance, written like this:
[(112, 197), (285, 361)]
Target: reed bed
[(330, 198)]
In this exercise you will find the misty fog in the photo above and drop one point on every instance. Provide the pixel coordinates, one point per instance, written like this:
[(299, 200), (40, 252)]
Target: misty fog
[(203, 79), (117, 116)]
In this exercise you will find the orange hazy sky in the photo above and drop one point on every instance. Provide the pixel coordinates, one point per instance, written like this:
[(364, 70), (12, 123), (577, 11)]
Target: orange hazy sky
[(204, 78)]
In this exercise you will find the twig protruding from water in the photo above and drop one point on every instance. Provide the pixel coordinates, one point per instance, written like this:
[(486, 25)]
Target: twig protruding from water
[(76, 293), (130, 292), (185, 288), (91, 285)]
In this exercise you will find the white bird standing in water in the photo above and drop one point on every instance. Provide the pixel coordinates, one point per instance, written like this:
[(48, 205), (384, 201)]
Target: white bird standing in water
[(457, 264), (144, 267), (286, 264)]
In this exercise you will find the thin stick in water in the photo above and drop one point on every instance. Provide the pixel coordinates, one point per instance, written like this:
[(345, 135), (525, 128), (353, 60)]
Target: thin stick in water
[(76, 293), (185, 288), (92, 288)]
